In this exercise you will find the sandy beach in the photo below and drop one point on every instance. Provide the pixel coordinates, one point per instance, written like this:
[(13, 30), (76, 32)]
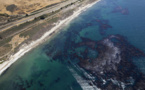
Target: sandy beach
[(26, 48)]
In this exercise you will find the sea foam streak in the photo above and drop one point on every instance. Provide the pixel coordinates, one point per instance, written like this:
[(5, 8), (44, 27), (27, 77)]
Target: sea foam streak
[(83, 83), (33, 44)]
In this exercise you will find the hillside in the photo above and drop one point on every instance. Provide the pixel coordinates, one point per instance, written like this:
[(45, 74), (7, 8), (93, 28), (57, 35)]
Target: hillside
[(15, 7)]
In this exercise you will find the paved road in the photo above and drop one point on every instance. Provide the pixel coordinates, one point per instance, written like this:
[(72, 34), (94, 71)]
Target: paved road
[(44, 11)]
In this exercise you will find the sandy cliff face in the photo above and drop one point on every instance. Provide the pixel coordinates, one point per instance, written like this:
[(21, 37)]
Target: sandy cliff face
[(13, 7)]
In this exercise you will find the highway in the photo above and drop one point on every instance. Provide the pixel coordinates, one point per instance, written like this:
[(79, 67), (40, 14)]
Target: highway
[(38, 14)]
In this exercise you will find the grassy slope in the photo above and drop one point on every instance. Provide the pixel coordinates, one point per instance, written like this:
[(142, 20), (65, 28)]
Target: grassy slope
[(24, 6)]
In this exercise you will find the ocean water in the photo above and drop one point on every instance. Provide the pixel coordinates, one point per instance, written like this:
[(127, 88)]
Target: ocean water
[(104, 48)]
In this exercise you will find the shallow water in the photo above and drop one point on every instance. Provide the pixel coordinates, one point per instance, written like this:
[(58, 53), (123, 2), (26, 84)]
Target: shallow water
[(48, 67)]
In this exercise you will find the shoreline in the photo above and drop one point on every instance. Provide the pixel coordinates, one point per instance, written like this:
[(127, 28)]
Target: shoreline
[(27, 47)]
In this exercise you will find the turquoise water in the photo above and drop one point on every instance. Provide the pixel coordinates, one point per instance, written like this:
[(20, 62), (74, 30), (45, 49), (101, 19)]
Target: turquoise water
[(47, 67)]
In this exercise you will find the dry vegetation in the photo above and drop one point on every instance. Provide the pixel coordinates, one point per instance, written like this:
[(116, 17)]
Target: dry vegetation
[(17, 40), (15, 7)]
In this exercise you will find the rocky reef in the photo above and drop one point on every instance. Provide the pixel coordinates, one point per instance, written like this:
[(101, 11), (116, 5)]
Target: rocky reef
[(114, 64), (108, 60)]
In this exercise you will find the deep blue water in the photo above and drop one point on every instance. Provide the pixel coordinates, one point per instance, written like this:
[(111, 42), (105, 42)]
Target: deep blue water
[(107, 42)]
